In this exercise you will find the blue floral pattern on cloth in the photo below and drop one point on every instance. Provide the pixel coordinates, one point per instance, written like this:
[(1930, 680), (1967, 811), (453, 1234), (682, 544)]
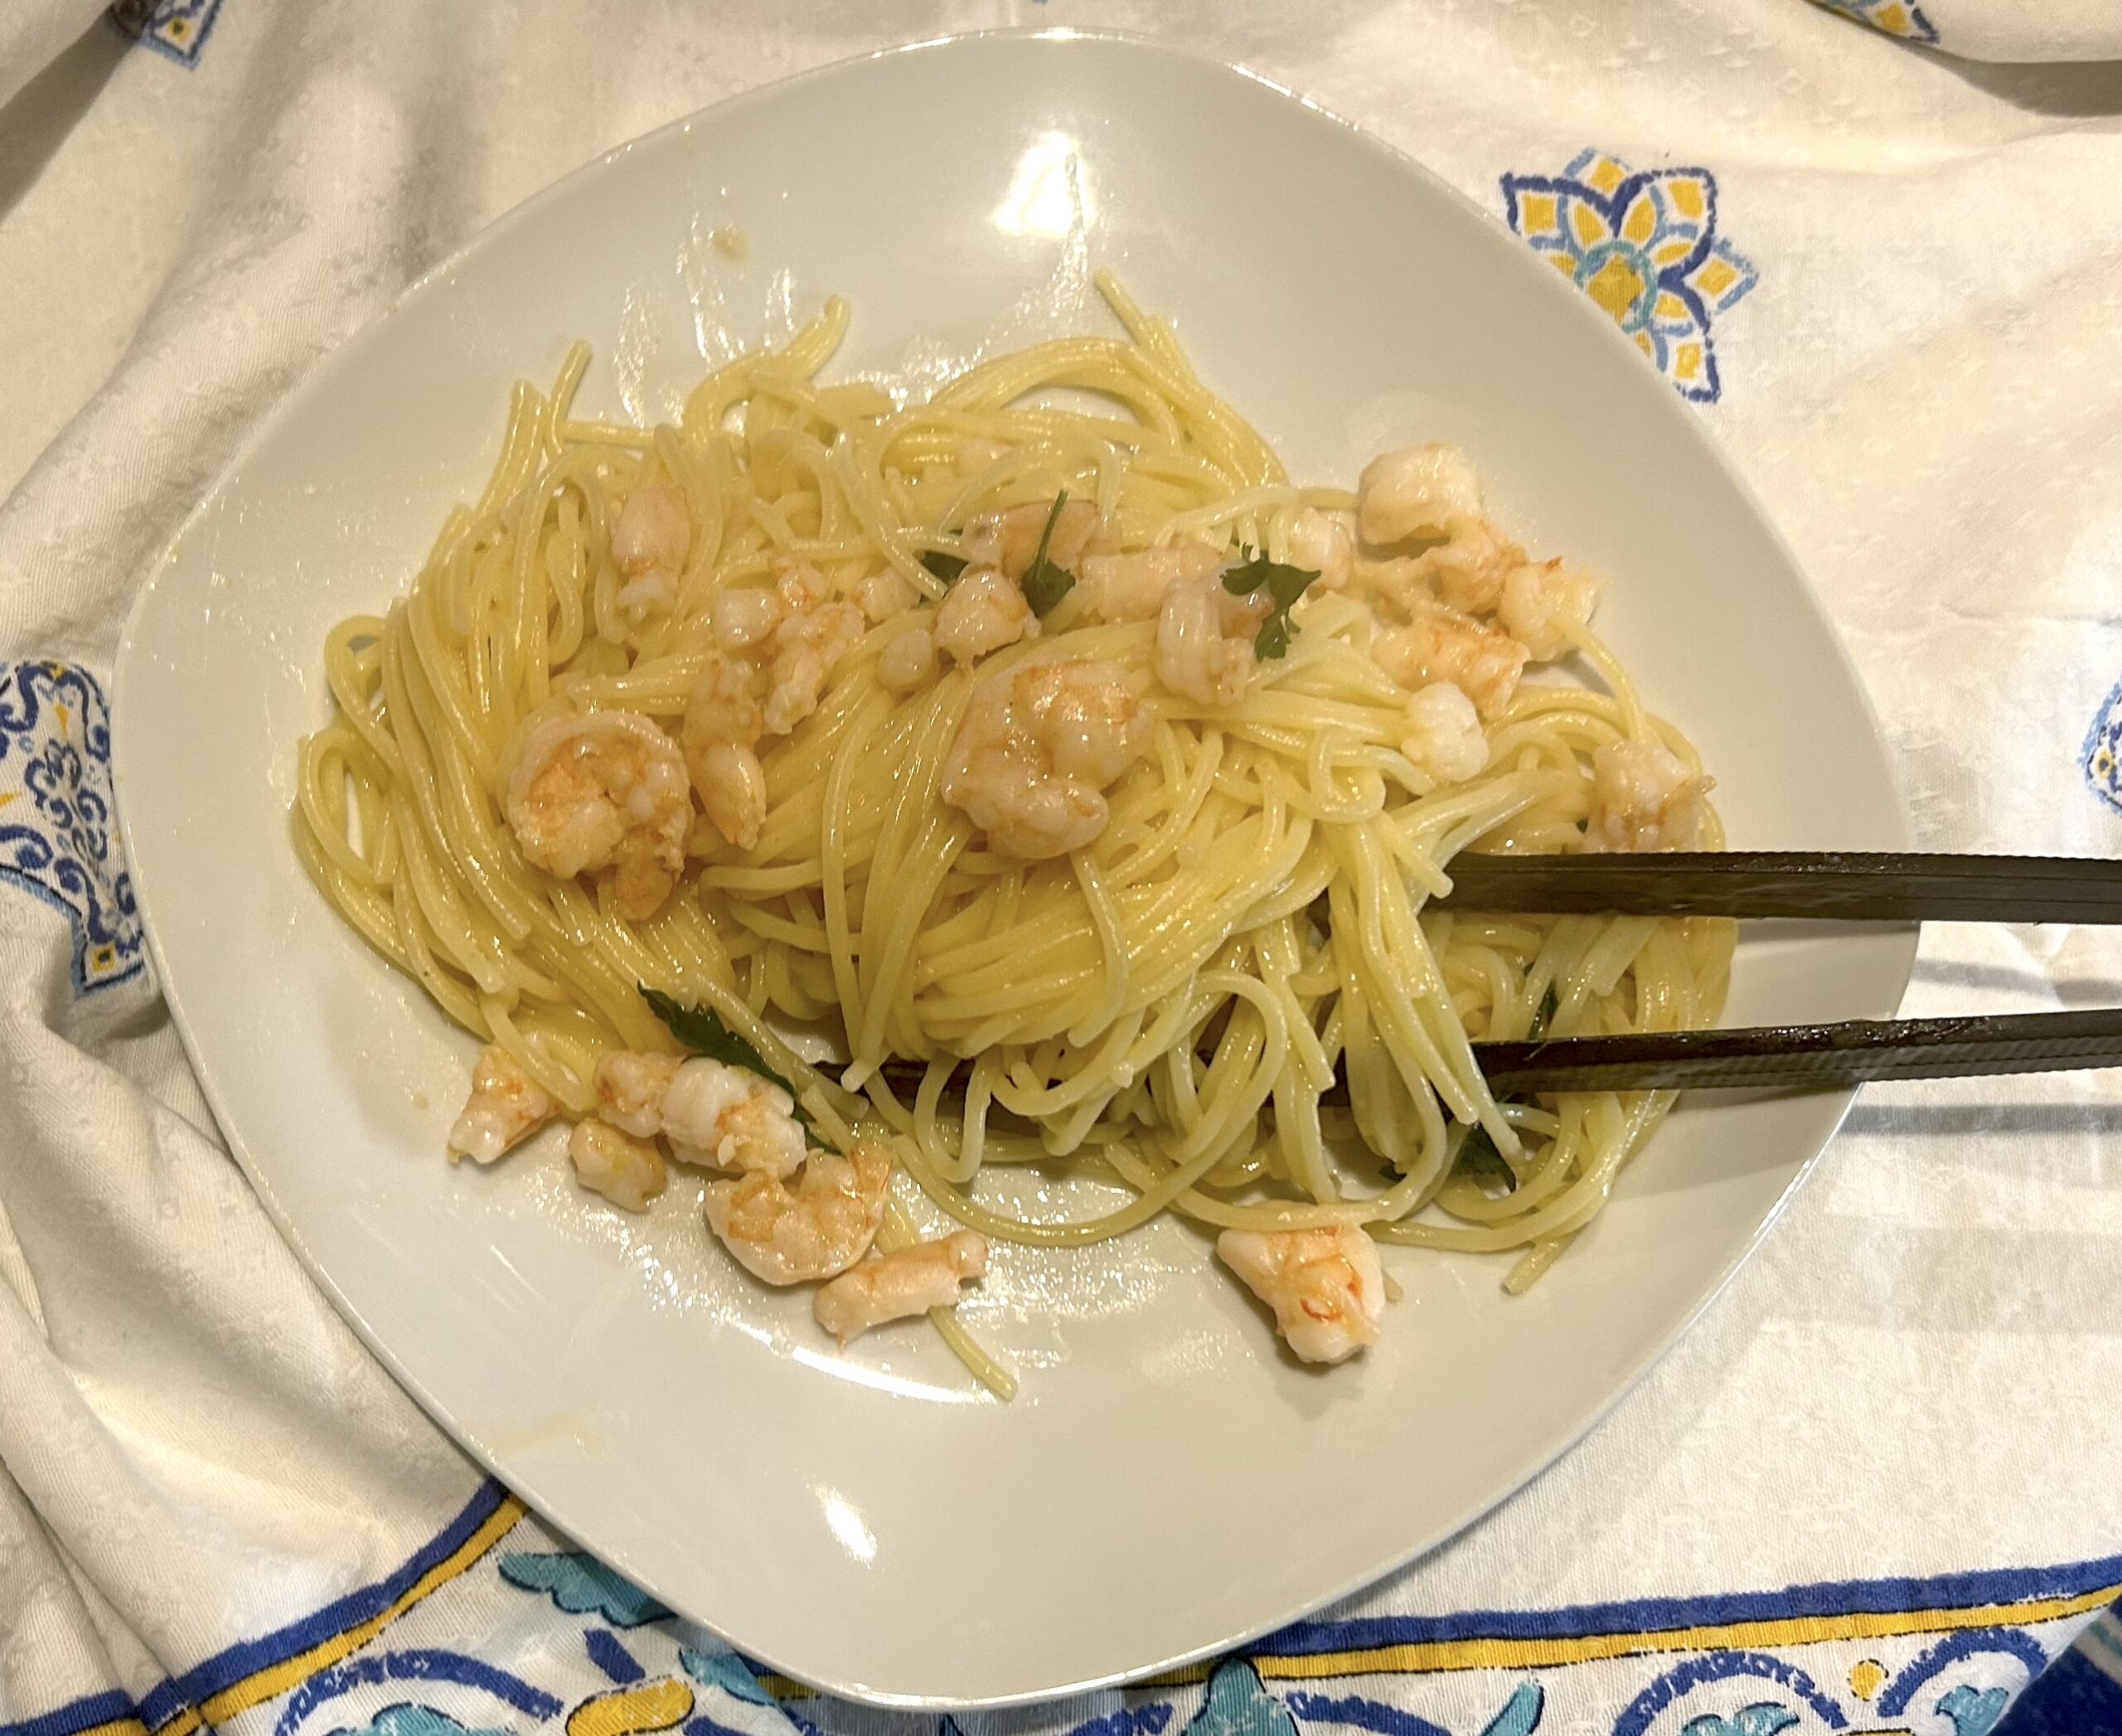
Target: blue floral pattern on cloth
[(527, 1634), (1902, 18), (58, 841), (2100, 757), (1643, 244), (176, 29)]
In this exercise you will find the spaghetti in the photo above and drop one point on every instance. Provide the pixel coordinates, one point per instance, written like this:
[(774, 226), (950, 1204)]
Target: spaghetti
[(1250, 788)]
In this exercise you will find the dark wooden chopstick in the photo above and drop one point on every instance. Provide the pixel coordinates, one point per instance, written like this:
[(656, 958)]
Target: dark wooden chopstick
[(1808, 1057), (1838, 886), (1777, 1057), (1835, 885)]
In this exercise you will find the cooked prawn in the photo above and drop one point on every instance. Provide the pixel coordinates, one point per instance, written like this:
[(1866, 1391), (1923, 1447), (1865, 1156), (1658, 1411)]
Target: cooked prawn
[(1471, 567), (1038, 746), (654, 532), (1322, 546), (631, 1088), (1326, 1285), (882, 596), (505, 1107), (818, 1229), (1440, 644), (729, 1118), (1428, 491), (907, 661), (899, 1286), (982, 612), (778, 648), (1643, 797), (1204, 640), (608, 1161), (1132, 587), (1444, 733), (590, 790), (1543, 601), (714, 1115), (1010, 539)]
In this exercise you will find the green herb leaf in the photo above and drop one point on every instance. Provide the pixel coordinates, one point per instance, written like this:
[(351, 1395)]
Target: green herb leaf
[(700, 1028), (1284, 584), (945, 567), (1044, 584), (1483, 1164), (1546, 1015)]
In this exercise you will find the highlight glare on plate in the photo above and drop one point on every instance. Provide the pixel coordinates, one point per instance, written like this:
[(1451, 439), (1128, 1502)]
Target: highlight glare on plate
[(1050, 193)]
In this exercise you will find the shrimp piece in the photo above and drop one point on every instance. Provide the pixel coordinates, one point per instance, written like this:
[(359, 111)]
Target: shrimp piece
[(786, 640), (587, 791), (505, 1107), (899, 1286), (1470, 570), (745, 617), (1038, 746), (724, 720), (1543, 601), (630, 1087), (884, 594), (1204, 641), (1440, 644), (1444, 733), (808, 647), (1010, 539), (907, 661), (732, 786), (1326, 1285), (817, 1230), (1321, 545), (1418, 491), (643, 598), (627, 1172), (982, 612), (1132, 587), (729, 1118), (654, 533), (1643, 797)]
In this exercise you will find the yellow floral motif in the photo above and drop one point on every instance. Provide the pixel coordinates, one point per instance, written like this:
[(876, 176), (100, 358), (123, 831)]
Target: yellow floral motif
[(1644, 245), (1902, 18)]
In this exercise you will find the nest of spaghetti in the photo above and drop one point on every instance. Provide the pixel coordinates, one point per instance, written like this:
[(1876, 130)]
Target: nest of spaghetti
[(1044, 753)]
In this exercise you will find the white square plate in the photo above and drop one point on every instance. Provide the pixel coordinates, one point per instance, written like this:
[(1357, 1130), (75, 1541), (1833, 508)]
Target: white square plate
[(1167, 1484)]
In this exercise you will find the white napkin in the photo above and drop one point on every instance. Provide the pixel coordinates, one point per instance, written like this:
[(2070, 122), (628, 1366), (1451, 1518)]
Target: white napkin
[(1873, 1490)]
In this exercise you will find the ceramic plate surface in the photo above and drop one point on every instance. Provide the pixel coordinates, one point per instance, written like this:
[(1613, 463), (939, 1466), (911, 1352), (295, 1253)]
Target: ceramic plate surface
[(869, 1523)]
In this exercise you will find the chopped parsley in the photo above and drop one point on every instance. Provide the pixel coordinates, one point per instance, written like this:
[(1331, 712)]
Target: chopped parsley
[(1482, 1164), (700, 1028), (945, 567), (1284, 584), (1546, 1015), (1045, 583)]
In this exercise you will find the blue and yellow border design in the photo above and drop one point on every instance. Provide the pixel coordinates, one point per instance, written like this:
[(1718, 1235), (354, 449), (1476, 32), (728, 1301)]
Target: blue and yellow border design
[(257, 1670), (1702, 1639)]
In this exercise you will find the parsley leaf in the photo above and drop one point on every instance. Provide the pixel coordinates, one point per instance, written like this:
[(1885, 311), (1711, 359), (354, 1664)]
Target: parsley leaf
[(1044, 584), (1545, 1016), (1284, 584), (700, 1028), (1483, 1164), (945, 567)]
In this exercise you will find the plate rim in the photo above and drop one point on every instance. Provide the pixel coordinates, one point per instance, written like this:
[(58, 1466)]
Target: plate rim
[(1595, 326)]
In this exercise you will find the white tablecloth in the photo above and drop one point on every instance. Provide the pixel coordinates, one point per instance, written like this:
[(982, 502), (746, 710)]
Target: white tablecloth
[(1874, 1490)]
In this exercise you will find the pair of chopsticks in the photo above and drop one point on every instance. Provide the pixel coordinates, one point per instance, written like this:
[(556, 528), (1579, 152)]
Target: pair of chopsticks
[(1830, 885), (1837, 886)]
